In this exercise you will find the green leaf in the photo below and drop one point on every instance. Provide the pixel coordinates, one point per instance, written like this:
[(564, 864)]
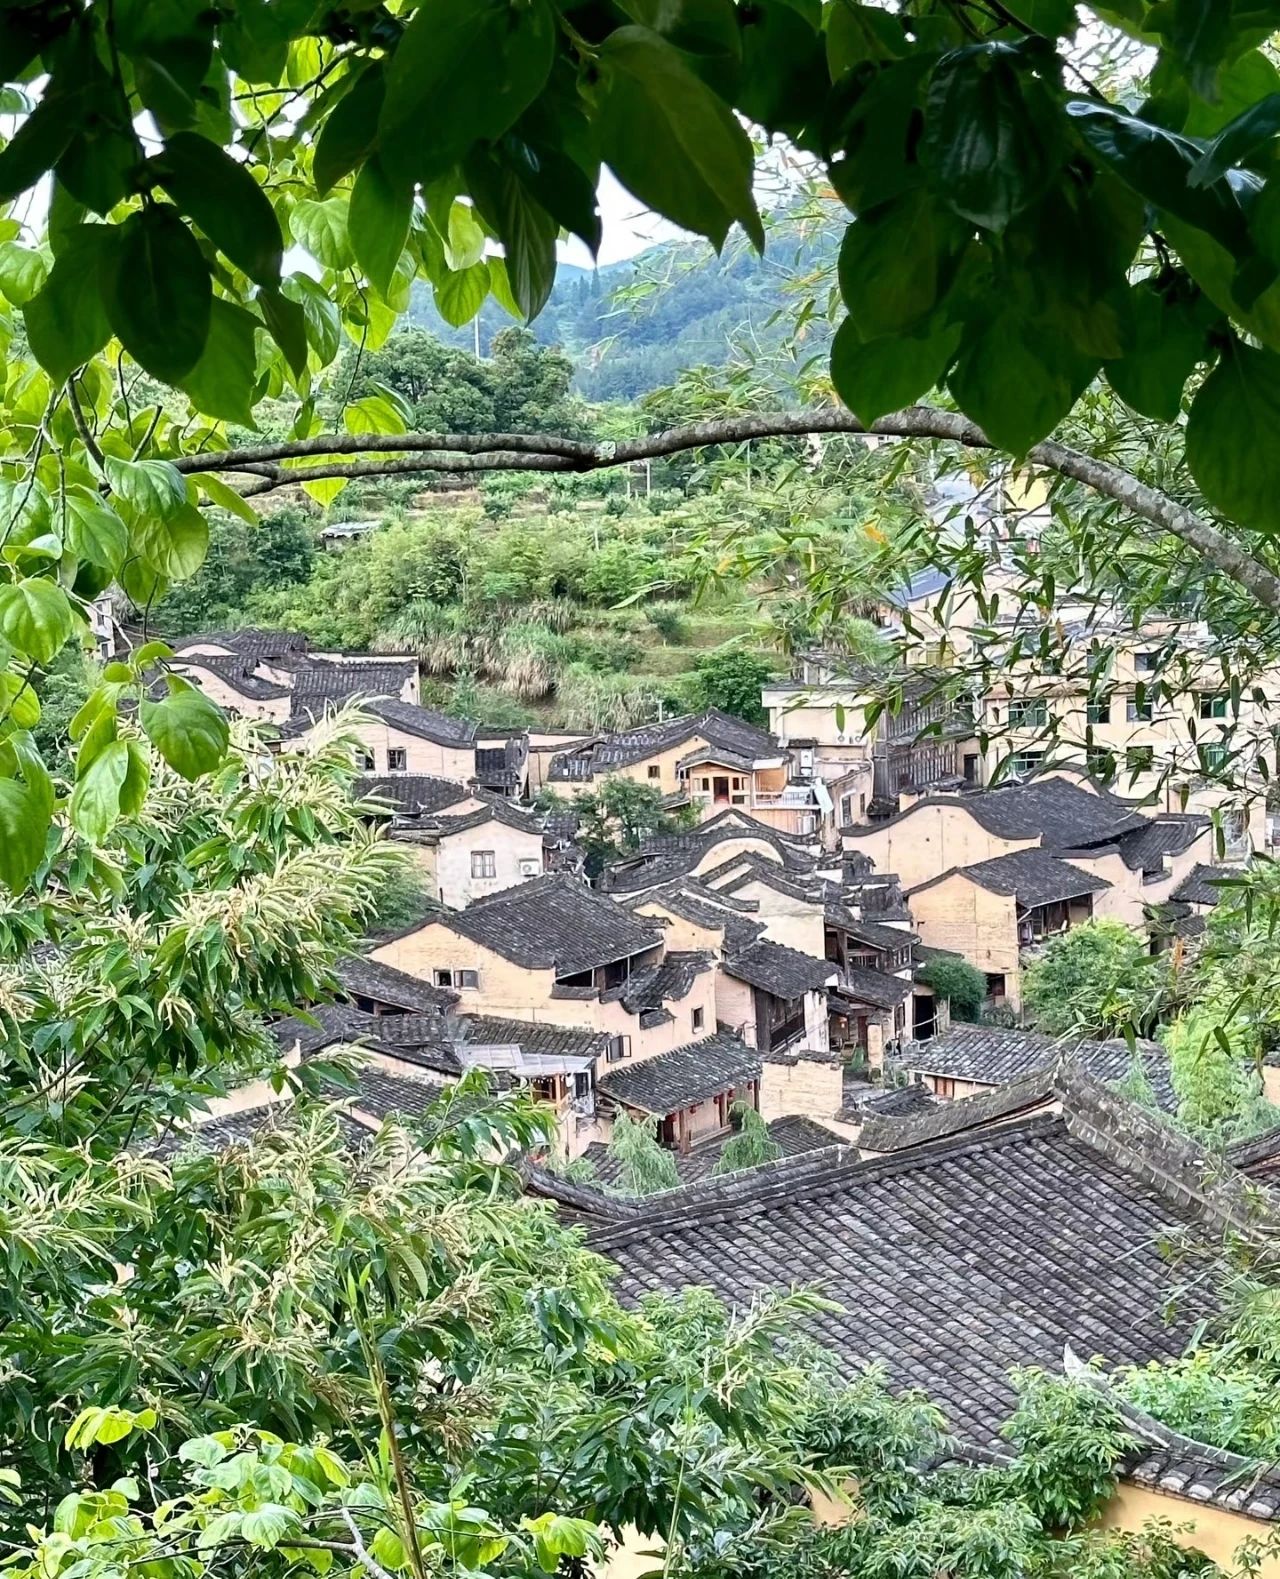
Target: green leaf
[(378, 222), (26, 812), (527, 232), (188, 731), (94, 531), (66, 319), (388, 1549), (991, 138), (37, 145), (221, 384), (321, 228), (175, 546), (784, 68), (226, 498), (219, 195), (142, 585), (1049, 18), (1017, 379), (19, 704), (671, 142), (861, 33), (149, 487), (268, 1525), (463, 72), (321, 325), (1157, 164), (350, 129), (373, 414), (461, 293), (1168, 341), (561, 185), (895, 264), (36, 618), (1238, 140), (26, 516), (287, 325), (95, 801), (1230, 444), (137, 780), (158, 293), (874, 377), (22, 272)]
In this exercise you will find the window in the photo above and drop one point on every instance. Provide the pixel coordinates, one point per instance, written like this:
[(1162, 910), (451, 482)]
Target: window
[(1212, 706), (397, 759), (364, 760), (971, 767), (1138, 712), (946, 1089), (1034, 713), (1099, 712), (1139, 759), (1100, 763), (1145, 662), (484, 863), (655, 770), (698, 1016), (456, 978), (1214, 758), (619, 1047), (995, 986), (1024, 763)]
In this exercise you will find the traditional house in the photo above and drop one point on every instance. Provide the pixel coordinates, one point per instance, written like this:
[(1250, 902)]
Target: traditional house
[(553, 951), (994, 911), (711, 845), (710, 760), (475, 848), (1067, 1207), (966, 1060)]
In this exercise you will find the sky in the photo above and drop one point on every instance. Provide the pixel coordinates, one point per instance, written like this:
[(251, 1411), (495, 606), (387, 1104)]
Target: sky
[(628, 227)]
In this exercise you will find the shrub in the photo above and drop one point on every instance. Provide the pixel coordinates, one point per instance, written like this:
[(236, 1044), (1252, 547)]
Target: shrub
[(1095, 979), (668, 619), (960, 983)]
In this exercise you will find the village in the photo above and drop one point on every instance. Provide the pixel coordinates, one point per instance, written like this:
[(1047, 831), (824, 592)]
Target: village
[(977, 1196)]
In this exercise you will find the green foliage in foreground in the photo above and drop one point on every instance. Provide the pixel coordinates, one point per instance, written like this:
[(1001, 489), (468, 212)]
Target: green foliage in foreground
[(1095, 980), (961, 984)]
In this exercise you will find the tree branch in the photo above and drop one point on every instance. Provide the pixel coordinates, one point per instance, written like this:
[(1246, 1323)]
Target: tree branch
[(400, 454)]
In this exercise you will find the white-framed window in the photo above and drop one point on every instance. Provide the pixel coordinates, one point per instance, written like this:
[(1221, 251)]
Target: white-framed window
[(1212, 705), (1031, 713), (397, 759), (1138, 712), (364, 760), (619, 1047), (456, 978), (484, 863)]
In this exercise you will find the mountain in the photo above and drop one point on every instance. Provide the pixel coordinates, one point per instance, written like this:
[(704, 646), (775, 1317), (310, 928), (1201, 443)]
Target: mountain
[(634, 326)]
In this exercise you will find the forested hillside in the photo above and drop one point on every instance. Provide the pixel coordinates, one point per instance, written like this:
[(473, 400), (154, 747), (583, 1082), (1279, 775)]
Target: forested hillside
[(632, 327)]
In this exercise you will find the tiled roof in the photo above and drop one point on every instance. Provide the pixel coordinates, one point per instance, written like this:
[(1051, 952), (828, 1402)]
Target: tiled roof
[(1145, 849), (705, 908), (875, 987), (339, 682), (552, 921), (676, 855), (1259, 1156), (861, 1101), (325, 1025), (1203, 885), (360, 977), (413, 794), (892, 1132), (876, 935), (668, 981), (682, 1077), (495, 809), (795, 1134), (607, 755), (785, 972), (555, 1040), (250, 1126), (992, 1055), (1033, 878), (251, 642), (500, 764), (380, 1094), (238, 674), (411, 719), (954, 1264)]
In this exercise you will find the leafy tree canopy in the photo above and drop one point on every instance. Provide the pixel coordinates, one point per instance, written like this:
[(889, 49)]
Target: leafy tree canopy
[(963, 985), (1097, 979), (730, 678)]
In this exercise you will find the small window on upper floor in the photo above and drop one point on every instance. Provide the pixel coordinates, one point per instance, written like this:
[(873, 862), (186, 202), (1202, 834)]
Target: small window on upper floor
[(364, 760), (698, 1017), (484, 863), (1099, 710), (655, 770), (456, 978), (1138, 712), (1212, 706), (1139, 759), (1145, 662), (397, 759)]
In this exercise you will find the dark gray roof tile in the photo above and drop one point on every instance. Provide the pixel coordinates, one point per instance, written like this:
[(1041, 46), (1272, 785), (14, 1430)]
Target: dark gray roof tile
[(682, 1077)]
